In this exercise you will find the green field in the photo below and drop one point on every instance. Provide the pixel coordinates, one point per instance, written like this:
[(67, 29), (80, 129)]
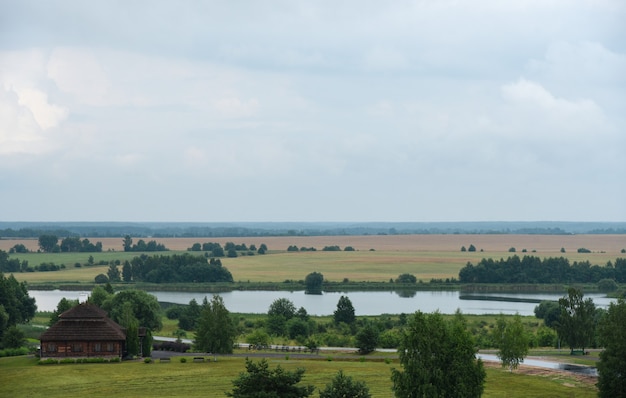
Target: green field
[(22, 377)]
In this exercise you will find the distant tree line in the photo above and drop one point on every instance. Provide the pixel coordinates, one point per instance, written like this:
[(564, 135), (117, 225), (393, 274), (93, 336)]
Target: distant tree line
[(142, 246), (532, 269), (176, 268), (230, 249), (333, 248), (259, 229), (49, 243)]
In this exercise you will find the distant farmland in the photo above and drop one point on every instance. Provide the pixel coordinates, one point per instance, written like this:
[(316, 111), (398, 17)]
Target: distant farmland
[(377, 258)]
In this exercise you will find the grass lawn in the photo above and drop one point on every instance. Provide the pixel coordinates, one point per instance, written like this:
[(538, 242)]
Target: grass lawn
[(22, 377)]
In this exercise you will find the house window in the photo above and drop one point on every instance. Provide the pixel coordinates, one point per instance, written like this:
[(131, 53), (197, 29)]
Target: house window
[(51, 347), (97, 347), (77, 347), (110, 347)]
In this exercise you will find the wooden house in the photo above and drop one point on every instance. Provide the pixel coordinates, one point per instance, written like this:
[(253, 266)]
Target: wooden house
[(83, 331)]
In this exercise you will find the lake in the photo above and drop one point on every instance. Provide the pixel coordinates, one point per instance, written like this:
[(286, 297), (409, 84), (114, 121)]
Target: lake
[(365, 303)]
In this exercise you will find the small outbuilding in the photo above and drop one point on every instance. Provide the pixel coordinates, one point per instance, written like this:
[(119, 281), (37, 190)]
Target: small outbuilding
[(83, 331)]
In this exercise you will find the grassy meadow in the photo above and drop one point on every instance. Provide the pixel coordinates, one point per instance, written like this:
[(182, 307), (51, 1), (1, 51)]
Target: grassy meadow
[(375, 259), (22, 377)]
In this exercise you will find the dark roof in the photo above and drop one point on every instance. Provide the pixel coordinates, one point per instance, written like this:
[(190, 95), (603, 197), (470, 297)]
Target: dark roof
[(85, 322)]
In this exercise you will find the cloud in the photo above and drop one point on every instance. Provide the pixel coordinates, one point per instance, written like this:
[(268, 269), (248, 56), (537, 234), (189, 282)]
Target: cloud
[(77, 71), (26, 112)]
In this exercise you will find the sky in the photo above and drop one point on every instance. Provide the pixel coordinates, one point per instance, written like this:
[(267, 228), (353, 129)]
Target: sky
[(214, 111)]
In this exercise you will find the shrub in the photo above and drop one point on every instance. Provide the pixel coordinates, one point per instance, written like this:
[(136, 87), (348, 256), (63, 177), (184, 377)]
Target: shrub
[(147, 360), (583, 250), (607, 285), (13, 352), (49, 361), (183, 359)]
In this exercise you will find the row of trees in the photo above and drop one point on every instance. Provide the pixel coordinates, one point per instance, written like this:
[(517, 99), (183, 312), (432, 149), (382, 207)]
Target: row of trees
[(50, 244), (332, 248), (230, 249), (532, 269), (142, 246), (169, 269)]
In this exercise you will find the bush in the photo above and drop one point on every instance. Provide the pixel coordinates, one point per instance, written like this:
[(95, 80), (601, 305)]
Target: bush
[(13, 352), (607, 285), (49, 361), (147, 360), (183, 359), (583, 250), (101, 278)]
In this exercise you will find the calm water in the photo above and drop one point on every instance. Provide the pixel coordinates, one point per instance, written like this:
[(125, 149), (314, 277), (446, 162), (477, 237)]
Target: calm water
[(365, 303)]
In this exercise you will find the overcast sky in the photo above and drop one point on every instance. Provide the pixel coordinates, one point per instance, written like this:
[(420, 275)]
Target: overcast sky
[(313, 110)]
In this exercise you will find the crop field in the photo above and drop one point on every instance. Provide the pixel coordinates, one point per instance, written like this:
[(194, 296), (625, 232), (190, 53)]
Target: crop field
[(375, 259), (21, 377)]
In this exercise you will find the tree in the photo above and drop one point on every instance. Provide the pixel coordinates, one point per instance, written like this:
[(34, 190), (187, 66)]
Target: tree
[(63, 305), (438, 359), (190, 315), (313, 283), (406, 278), (344, 311), (16, 306), (127, 272), (13, 338), (145, 308), (471, 248), (48, 243), (367, 338), (549, 311), (576, 325), (283, 307), (113, 273), (262, 382), (216, 330), (612, 365), (343, 386), (99, 295), (127, 319), (128, 243), (512, 341)]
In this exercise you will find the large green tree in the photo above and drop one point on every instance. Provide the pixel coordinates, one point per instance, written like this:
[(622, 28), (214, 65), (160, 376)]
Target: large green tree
[(280, 311), (344, 311), (145, 308), (260, 381), (576, 325), (48, 243), (612, 365), (216, 331), (63, 305), (438, 359), (512, 341), (367, 338), (343, 386), (313, 283), (18, 306)]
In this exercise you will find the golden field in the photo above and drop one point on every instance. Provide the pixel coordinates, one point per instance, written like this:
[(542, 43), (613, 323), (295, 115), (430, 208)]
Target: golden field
[(377, 258)]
